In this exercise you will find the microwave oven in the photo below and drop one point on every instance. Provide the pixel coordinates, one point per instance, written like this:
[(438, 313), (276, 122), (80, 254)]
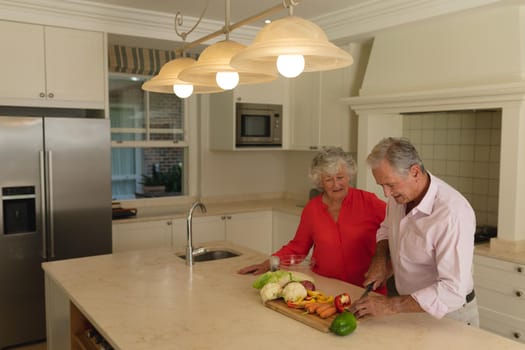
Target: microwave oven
[(258, 125)]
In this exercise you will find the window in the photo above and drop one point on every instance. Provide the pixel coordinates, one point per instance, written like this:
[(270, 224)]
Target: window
[(149, 154)]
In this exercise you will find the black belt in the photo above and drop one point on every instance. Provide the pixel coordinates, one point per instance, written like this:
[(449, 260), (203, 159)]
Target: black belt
[(470, 296)]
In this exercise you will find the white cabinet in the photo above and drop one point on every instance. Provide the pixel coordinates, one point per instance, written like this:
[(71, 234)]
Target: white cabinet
[(204, 229), (252, 230), (317, 116), (500, 291), (142, 235), (45, 66), (284, 226), (273, 92), (222, 109)]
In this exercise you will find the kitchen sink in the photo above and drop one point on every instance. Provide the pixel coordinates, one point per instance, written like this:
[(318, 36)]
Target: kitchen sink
[(204, 254)]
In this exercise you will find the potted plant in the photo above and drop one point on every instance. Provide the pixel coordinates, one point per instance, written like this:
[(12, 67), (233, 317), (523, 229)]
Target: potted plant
[(154, 182), (159, 182)]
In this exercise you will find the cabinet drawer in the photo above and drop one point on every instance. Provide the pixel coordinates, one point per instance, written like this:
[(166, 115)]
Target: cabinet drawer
[(505, 303), (504, 325), (499, 265)]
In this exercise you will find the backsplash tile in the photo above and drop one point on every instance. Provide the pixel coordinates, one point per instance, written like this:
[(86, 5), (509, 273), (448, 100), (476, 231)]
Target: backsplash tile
[(462, 148)]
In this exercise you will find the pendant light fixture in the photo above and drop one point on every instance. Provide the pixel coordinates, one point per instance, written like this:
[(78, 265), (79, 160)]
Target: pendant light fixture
[(213, 66), (168, 82), (290, 46)]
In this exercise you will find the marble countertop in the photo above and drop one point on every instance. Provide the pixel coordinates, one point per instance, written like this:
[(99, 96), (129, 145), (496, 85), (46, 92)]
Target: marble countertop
[(289, 206), (151, 300), (166, 212)]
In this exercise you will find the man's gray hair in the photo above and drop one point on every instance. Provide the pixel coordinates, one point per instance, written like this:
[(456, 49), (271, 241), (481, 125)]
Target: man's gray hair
[(398, 152), (328, 161)]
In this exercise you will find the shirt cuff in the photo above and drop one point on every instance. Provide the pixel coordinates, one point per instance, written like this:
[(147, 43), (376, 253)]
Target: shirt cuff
[(428, 301)]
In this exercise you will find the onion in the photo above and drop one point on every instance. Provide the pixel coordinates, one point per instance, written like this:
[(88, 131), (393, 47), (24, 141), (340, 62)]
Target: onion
[(308, 285)]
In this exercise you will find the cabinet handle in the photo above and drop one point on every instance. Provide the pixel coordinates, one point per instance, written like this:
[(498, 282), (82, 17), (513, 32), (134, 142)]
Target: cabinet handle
[(51, 95), (239, 99), (229, 217), (313, 147), (168, 222), (516, 335), (223, 217), (518, 293), (42, 95), (519, 269)]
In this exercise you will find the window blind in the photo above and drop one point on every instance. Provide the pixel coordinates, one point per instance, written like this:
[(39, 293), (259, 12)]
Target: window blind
[(137, 60)]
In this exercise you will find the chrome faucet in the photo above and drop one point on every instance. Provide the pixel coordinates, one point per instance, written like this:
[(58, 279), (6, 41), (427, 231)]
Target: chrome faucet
[(189, 232)]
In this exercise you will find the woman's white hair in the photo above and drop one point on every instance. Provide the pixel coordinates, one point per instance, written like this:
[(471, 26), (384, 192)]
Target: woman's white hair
[(329, 161)]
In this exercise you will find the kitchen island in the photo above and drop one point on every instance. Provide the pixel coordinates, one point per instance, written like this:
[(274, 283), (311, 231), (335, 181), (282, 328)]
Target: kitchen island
[(150, 299)]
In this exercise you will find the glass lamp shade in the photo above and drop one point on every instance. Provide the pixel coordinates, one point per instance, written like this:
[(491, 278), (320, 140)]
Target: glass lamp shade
[(290, 66), (168, 77), (291, 36), (183, 90), (227, 80), (216, 58)]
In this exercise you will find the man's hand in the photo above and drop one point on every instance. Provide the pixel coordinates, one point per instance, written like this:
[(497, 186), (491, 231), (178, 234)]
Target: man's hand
[(379, 270), (374, 306)]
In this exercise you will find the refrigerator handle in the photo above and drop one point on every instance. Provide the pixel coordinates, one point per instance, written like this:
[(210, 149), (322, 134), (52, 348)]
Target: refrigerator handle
[(43, 205), (51, 204)]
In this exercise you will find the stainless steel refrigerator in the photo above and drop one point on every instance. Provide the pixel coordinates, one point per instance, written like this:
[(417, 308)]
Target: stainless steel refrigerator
[(55, 188)]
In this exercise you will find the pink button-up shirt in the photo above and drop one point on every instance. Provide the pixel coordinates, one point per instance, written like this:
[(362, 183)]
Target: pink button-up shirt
[(432, 248)]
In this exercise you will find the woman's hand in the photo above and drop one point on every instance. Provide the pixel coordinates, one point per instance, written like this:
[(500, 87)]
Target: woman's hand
[(256, 269)]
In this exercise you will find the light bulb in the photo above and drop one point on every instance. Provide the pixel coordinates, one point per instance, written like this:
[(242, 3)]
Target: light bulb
[(227, 80), (290, 66), (183, 90)]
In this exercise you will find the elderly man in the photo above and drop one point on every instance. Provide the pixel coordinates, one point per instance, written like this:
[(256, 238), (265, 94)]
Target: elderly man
[(426, 240)]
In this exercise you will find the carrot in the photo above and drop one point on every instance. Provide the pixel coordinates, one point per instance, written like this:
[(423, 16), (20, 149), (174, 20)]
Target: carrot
[(311, 307), (328, 312), (322, 307)]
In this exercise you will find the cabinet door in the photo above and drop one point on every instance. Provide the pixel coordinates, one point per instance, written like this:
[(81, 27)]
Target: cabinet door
[(251, 230), (284, 228), (141, 235), (334, 123), (75, 66), (21, 63), (204, 229), (304, 116), (273, 92)]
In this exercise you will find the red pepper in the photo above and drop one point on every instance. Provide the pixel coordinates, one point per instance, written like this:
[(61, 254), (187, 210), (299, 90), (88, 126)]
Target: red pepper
[(292, 305), (342, 301)]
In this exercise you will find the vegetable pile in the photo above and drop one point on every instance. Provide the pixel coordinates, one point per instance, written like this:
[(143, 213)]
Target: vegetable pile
[(299, 292)]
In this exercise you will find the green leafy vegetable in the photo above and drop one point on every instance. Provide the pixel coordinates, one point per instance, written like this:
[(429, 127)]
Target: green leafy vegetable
[(281, 276)]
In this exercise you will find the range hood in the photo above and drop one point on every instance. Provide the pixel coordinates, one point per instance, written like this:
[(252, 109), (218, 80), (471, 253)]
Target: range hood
[(469, 60)]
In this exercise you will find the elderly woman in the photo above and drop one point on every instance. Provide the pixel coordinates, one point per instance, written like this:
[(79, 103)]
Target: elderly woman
[(340, 224)]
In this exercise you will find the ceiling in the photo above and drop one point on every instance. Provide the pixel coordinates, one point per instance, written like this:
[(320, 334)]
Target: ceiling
[(239, 9), (150, 23)]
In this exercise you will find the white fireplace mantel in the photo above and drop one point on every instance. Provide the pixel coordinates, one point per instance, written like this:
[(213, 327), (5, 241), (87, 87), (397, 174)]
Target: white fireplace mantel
[(380, 116)]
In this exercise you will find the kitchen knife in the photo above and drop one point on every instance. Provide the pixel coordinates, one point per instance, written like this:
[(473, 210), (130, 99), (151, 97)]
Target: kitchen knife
[(367, 290)]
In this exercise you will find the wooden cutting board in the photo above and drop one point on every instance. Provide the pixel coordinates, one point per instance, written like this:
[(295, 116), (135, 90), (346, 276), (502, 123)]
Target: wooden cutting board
[(312, 320)]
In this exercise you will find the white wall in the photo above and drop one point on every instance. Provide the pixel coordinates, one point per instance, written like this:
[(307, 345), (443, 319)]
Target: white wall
[(296, 173), (237, 173), (477, 47)]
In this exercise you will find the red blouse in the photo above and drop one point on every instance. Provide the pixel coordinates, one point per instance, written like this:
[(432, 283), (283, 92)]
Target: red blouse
[(342, 249)]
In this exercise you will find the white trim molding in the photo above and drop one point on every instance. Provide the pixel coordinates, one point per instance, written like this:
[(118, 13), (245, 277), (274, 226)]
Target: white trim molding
[(475, 97), (351, 22)]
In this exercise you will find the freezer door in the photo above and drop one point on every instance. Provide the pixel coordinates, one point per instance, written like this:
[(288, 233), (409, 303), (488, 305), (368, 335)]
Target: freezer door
[(21, 276), (78, 154)]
